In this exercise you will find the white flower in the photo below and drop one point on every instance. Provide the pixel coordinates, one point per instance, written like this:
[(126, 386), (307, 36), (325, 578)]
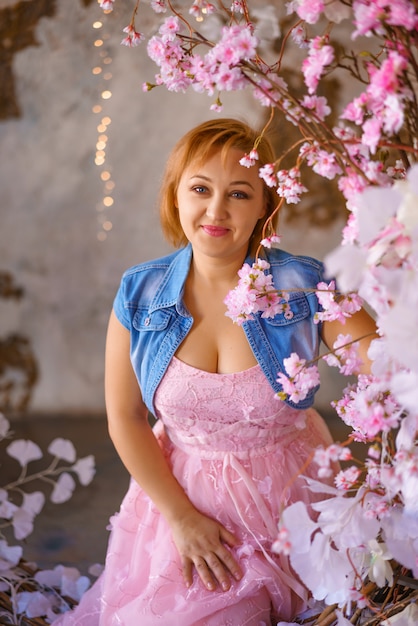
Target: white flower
[(63, 489), (67, 579), (33, 603), (9, 555), (24, 516), (380, 570), (24, 451), (85, 469), (63, 449)]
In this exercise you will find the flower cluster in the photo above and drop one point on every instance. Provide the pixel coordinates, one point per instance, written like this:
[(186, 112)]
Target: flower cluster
[(18, 510), (298, 380), (255, 292)]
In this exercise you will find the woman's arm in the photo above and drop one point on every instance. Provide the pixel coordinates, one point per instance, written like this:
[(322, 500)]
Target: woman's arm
[(199, 539), (361, 327)]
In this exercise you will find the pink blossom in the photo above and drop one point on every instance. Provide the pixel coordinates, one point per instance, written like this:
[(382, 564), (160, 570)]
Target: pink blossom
[(356, 110), (299, 379), (133, 38), (345, 355), (159, 6), (369, 408), (397, 171), (228, 78), (216, 106), (289, 186), (267, 173), (333, 310), (369, 17), (270, 89), (299, 36), (237, 44), (237, 6), (255, 293), (170, 27), (308, 10), (107, 5), (271, 241), (282, 544), (351, 184), (201, 7), (320, 55), (318, 104), (345, 479), (325, 457), (248, 160), (323, 162), (372, 129), (393, 114)]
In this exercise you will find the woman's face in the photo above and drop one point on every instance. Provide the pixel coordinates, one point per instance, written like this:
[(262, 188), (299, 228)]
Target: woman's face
[(219, 203)]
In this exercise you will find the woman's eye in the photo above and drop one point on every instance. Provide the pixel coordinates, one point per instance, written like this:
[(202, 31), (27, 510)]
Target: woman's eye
[(239, 195), (199, 189)]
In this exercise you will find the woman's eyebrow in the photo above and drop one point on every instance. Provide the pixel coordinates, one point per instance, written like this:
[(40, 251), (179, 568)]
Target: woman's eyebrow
[(233, 182)]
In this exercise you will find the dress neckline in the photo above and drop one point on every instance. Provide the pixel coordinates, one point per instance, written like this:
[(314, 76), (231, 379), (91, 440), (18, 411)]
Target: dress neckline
[(196, 369)]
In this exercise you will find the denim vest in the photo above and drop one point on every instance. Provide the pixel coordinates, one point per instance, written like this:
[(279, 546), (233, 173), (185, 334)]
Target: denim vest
[(149, 304)]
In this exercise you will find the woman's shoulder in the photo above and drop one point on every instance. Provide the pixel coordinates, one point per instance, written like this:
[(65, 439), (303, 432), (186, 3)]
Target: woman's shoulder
[(278, 256), (158, 264), (294, 270)]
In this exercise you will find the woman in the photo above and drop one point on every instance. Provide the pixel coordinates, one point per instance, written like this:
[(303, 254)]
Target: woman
[(191, 544)]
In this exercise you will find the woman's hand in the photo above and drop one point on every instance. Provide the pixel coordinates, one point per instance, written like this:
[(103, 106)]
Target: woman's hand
[(201, 541)]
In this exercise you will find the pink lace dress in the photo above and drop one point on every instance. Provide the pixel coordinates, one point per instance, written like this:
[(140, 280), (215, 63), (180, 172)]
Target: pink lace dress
[(236, 451)]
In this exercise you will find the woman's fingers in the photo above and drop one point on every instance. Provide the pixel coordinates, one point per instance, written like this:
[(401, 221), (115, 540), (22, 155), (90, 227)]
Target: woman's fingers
[(204, 544), (214, 570)]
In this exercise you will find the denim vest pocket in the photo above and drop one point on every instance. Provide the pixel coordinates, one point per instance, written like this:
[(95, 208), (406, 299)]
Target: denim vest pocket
[(297, 311), (145, 321)]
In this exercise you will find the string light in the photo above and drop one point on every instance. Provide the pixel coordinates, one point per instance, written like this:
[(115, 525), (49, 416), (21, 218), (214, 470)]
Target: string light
[(101, 71)]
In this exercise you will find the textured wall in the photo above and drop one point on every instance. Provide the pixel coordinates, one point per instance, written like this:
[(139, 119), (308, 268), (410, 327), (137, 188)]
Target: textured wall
[(53, 236)]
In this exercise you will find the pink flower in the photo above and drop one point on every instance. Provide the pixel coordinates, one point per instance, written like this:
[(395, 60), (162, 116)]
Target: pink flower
[(237, 6), (346, 479), (325, 457), (323, 162), (133, 38), (318, 104), (201, 8), (237, 44), (299, 36), (170, 28), (268, 242), (289, 186), (320, 55), (298, 380), (369, 17), (345, 355), (255, 293), (308, 10), (159, 6), (282, 544), (107, 5), (248, 160), (268, 175), (333, 310)]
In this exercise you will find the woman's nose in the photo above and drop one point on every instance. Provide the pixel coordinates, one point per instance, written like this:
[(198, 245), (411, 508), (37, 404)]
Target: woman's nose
[(216, 207)]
